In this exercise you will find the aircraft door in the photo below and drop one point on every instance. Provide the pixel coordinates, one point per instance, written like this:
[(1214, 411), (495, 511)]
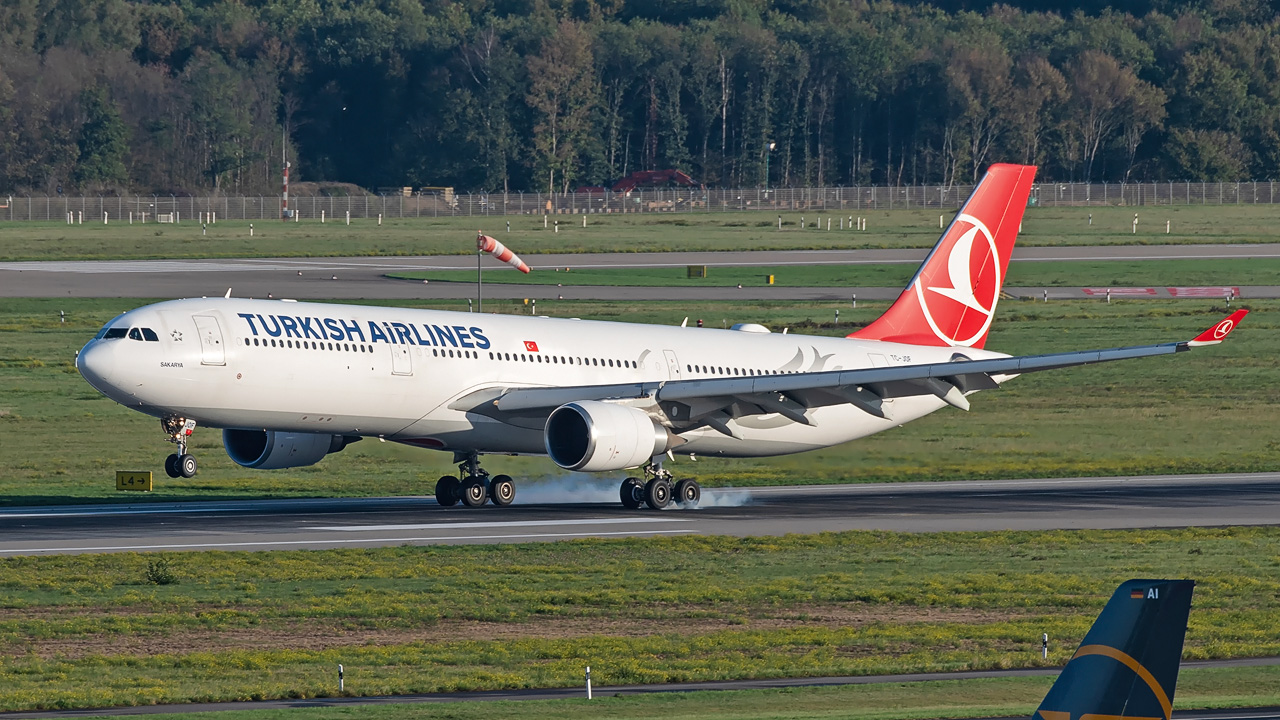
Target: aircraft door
[(401, 360), (673, 365), (211, 349)]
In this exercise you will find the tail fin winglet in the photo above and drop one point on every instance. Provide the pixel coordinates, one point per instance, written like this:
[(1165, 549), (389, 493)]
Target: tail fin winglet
[(952, 298), (1127, 664)]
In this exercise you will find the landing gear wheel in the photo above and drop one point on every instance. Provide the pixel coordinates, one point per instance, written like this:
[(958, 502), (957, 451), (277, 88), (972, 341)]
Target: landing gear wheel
[(187, 466), (657, 494), (171, 466), (473, 492), (688, 493), (447, 491), (632, 493), (502, 490)]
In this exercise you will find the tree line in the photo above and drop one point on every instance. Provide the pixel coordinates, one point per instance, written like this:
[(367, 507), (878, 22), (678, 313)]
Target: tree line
[(538, 95)]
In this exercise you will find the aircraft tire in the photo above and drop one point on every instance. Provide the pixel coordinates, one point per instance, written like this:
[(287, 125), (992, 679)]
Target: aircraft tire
[(171, 466), (502, 490), (187, 466), (632, 493), (657, 494), (447, 491), (688, 493), (473, 492)]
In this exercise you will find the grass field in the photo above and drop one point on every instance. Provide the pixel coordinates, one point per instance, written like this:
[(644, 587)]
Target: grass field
[(1116, 273), (620, 233), (1213, 410), (84, 631)]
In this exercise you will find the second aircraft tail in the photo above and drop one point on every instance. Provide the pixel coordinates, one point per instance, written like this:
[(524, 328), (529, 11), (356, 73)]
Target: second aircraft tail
[(1127, 665)]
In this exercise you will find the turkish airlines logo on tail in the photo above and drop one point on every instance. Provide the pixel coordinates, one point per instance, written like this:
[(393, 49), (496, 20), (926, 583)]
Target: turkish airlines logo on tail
[(959, 297), (1223, 328)]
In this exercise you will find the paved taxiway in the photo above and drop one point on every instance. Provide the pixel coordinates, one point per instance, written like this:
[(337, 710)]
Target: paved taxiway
[(365, 278), (558, 511), (623, 690)]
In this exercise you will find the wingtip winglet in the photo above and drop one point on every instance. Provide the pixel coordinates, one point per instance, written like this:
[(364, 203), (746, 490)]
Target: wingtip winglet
[(1219, 332)]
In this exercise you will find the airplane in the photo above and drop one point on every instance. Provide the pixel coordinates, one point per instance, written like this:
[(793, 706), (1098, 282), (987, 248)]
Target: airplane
[(1127, 665), (290, 382)]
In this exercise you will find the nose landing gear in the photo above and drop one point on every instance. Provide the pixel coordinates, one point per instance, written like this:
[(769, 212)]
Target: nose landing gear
[(181, 463), (476, 486)]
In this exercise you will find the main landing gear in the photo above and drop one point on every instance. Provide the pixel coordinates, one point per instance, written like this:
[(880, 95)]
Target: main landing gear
[(475, 487), (660, 491), (179, 464)]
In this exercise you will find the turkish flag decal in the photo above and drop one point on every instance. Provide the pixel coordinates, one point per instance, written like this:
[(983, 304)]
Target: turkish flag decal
[(531, 346)]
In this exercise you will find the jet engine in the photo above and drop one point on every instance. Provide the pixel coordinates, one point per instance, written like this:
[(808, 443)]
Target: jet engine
[(271, 450), (594, 436)]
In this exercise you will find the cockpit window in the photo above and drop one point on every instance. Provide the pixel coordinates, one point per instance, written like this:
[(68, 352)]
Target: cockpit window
[(146, 334), (113, 333)]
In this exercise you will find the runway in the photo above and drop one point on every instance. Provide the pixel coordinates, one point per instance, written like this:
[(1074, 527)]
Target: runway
[(590, 509), (364, 278)]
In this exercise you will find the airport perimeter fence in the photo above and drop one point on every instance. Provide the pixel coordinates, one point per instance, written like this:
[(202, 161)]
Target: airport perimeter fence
[(169, 208)]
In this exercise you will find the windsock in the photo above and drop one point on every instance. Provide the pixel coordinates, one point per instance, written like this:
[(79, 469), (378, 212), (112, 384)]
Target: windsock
[(500, 251)]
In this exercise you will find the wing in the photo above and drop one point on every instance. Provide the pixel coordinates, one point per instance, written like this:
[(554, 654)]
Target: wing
[(686, 404)]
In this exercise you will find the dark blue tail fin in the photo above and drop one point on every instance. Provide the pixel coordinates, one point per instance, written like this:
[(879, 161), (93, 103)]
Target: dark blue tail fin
[(1127, 666)]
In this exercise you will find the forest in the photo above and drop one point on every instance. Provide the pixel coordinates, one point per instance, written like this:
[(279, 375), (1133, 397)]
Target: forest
[(199, 96)]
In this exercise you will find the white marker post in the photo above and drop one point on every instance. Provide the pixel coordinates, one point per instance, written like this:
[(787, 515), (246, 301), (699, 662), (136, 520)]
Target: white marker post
[(250, 229), (379, 219), (1044, 645), (1135, 223), (340, 681), (1167, 225), (321, 217), (584, 221), (939, 222), (104, 217), (348, 217), (588, 682)]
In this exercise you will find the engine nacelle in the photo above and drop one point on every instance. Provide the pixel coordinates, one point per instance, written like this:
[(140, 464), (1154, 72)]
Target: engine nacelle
[(271, 450), (594, 436)]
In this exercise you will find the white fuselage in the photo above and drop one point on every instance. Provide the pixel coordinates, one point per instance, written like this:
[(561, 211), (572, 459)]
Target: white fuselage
[(393, 372)]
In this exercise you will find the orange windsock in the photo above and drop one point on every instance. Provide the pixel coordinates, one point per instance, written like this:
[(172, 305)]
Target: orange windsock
[(502, 252)]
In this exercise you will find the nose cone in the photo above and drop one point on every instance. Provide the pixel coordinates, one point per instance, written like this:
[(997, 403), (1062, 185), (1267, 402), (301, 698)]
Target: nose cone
[(97, 364)]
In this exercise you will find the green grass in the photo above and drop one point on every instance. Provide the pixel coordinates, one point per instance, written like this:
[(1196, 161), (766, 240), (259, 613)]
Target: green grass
[(1021, 274), (619, 233), (1000, 697), (1212, 410), (84, 631)]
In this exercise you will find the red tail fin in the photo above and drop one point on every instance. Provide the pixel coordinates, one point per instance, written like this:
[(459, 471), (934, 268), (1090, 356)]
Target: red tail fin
[(953, 296)]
